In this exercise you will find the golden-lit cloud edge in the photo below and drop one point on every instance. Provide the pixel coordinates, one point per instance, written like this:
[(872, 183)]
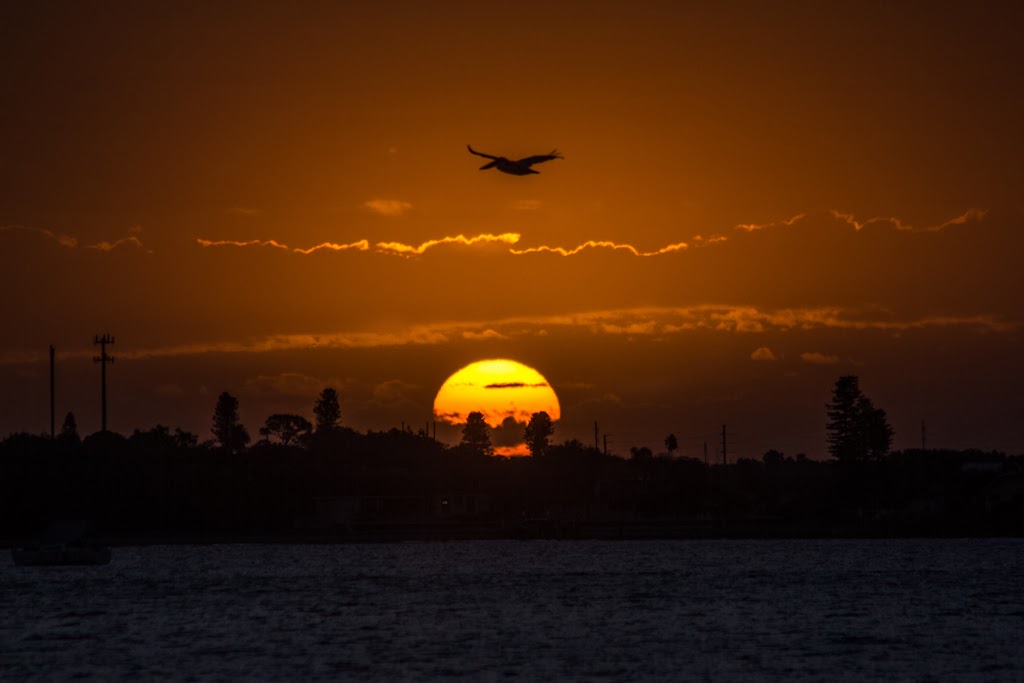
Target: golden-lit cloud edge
[(70, 242), (644, 322), (751, 227), (237, 243), (971, 215), (594, 244), (514, 239), (410, 250), (403, 249), (398, 248)]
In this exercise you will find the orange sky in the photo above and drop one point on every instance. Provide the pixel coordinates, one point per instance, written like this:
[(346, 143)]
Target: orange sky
[(756, 198)]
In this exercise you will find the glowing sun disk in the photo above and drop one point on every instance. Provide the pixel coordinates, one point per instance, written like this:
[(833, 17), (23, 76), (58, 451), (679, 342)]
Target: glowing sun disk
[(497, 388)]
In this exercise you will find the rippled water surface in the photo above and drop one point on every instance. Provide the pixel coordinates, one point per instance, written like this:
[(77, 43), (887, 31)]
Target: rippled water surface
[(730, 610)]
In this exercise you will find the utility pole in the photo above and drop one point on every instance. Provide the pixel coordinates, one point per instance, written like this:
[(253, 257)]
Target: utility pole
[(705, 454), (52, 353), (597, 440), (103, 359), (606, 443), (724, 459)]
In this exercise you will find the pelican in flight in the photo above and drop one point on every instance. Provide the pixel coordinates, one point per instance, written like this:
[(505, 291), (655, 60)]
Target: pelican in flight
[(517, 167)]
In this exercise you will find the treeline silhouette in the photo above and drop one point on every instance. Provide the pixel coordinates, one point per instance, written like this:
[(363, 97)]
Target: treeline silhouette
[(326, 481)]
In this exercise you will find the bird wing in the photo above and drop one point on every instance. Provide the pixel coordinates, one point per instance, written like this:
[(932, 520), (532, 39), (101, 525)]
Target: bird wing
[(540, 158), (479, 154)]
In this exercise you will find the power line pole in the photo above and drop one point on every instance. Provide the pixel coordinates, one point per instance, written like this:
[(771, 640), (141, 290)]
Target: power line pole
[(103, 359), (597, 439), (52, 353), (606, 443), (724, 460)]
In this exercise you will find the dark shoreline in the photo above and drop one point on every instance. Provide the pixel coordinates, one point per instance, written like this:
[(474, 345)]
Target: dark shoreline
[(629, 531), (407, 488)]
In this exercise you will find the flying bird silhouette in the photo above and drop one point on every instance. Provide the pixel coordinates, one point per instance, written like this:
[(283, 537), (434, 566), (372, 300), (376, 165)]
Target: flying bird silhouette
[(517, 167)]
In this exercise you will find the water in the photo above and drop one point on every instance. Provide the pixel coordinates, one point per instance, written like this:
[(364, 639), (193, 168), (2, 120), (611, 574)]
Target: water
[(685, 610)]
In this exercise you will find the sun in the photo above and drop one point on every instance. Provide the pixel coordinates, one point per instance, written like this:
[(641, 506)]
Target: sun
[(501, 389)]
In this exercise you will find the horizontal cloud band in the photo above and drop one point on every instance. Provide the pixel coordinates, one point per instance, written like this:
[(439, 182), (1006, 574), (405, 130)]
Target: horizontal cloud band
[(508, 238), (512, 238), (637, 322)]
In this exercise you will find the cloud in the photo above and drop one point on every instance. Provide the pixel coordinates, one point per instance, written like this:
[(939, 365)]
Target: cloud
[(643, 321), (403, 249), (61, 239), (393, 391), (285, 384), (387, 207), (746, 319), (515, 385), (762, 353), (739, 320), (750, 227), (414, 336), (131, 240), (361, 245), (70, 242), (602, 244), (237, 243), (410, 250), (391, 207), (815, 358), (644, 327), (527, 204), (971, 215), (481, 336), (399, 248), (849, 219)]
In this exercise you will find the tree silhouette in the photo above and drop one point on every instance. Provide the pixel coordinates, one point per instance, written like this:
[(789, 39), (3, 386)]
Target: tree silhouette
[(640, 454), (856, 429), (69, 431), (671, 444), (286, 428), (773, 458), (476, 435), (160, 439), (185, 439), (538, 431), (879, 432), (230, 433), (327, 411)]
